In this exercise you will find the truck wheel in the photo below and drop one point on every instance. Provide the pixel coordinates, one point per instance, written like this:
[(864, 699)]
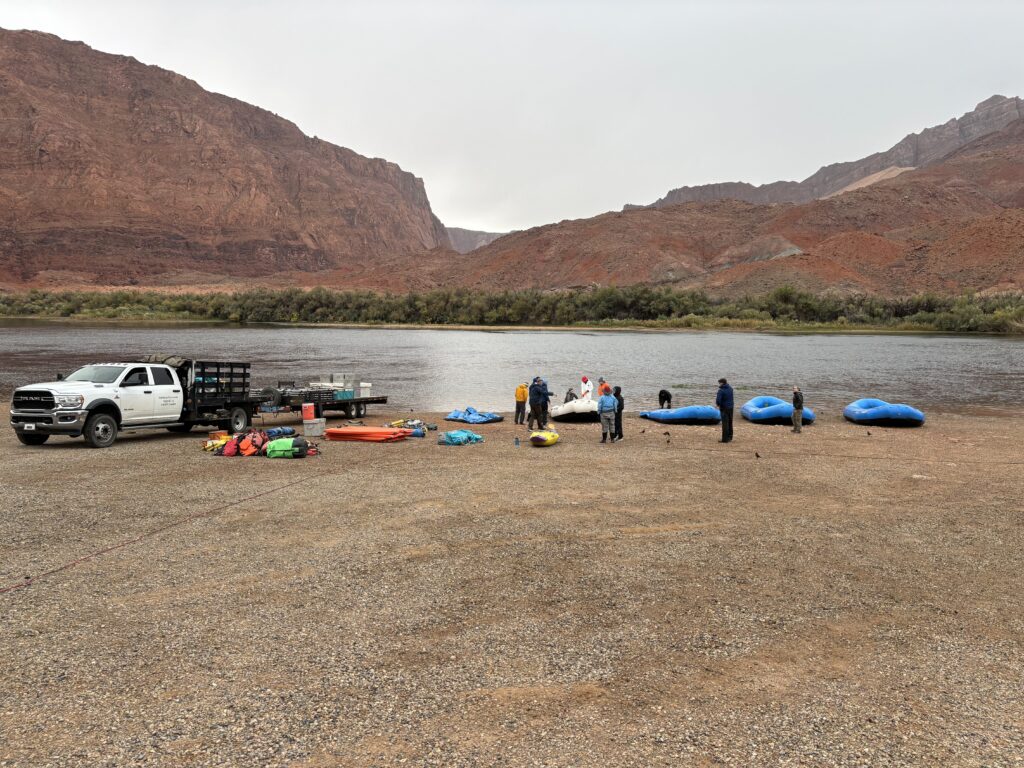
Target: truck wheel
[(181, 429), (238, 420), (100, 430), (28, 439)]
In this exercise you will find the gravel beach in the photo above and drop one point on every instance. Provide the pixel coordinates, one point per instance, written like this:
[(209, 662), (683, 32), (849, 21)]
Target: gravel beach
[(846, 597)]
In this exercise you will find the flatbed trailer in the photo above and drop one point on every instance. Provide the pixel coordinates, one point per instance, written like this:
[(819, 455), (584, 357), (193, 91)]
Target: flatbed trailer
[(323, 399)]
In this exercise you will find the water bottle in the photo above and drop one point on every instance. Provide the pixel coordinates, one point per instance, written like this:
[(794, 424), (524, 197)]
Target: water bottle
[(517, 442)]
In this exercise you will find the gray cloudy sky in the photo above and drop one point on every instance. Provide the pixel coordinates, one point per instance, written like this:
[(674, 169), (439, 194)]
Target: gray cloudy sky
[(522, 113)]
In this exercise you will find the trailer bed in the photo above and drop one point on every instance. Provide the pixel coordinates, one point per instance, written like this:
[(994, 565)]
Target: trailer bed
[(324, 401)]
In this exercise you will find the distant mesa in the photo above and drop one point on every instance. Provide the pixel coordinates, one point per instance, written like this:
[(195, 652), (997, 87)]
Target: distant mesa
[(914, 151)]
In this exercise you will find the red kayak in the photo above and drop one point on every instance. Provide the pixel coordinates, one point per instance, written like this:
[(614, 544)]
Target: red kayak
[(367, 434)]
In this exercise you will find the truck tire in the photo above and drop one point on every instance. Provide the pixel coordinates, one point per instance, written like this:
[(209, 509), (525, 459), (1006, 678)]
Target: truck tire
[(28, 439), (100, 430), (238, 420), (181, 429)]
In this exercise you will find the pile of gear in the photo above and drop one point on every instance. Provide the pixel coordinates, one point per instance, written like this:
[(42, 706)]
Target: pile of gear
[(274, 443)]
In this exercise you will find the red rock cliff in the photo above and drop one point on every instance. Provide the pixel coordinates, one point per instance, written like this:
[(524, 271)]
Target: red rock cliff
[(115, 172)]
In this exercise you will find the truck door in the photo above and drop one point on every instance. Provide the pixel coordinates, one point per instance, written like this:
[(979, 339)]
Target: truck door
[(168, 393), (136, 396)]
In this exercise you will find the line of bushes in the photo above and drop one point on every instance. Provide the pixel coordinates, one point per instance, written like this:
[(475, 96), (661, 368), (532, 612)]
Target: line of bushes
[(783, 308)]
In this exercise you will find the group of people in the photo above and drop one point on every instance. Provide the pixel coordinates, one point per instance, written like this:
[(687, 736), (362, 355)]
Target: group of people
[(610, 404)]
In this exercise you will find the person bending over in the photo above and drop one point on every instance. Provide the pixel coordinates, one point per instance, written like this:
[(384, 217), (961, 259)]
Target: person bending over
[(664, 399)]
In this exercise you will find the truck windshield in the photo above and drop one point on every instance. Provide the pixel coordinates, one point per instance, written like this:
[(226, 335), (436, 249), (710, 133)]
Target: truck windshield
[(98, 374)]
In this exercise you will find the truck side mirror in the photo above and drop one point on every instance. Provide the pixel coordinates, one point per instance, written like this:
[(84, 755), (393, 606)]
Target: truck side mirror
[(60, 377)]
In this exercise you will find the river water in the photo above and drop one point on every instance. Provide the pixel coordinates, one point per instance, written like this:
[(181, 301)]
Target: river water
[(444, 369)]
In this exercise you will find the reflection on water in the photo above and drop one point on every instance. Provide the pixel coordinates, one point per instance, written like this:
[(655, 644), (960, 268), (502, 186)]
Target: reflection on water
[(438, 369)]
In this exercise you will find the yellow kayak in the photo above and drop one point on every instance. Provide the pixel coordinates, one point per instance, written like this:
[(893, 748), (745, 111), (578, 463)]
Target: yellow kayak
[(547, 437)]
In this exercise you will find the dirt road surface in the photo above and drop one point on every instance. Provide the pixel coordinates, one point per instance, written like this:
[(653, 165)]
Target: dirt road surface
[(846, 599)]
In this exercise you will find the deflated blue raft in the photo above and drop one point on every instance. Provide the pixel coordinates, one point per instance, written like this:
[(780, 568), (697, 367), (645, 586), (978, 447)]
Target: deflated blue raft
[(772, 410), (878, 413), (473, 416), (689, 414), (459, 437)]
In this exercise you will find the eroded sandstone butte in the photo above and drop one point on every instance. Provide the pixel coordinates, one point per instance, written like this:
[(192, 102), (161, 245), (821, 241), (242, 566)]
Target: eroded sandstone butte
[(115, 172)]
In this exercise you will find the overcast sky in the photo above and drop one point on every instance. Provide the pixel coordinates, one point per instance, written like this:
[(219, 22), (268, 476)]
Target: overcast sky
[(525, 112)]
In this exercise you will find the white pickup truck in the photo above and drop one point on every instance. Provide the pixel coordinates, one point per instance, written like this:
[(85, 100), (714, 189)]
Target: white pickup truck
[(97, 401)]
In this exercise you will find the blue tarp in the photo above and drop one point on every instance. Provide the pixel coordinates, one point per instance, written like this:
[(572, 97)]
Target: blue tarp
[(277, 432), (473, 416), (878, 413), (459, 437), (772, 410)]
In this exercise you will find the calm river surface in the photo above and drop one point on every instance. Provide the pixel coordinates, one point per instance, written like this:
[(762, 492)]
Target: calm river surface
[(442, 369)]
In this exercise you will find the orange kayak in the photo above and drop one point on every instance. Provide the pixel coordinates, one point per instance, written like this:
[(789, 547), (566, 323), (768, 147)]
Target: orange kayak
[(367, 434)]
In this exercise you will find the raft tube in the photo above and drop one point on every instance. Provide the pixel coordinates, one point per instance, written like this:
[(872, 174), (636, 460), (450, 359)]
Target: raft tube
[(873, 412), (544, 438), (575, 411), (772, 410), (689, 414)]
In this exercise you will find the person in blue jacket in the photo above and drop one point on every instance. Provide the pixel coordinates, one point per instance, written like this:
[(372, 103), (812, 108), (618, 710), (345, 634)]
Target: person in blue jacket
[(540, 396), (607, 406), (724, 401)]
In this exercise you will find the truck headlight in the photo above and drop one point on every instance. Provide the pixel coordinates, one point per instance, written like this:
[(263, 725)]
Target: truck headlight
[(69, 401)]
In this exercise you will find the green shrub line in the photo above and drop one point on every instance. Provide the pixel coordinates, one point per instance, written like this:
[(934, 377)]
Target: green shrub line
[(785, 308)]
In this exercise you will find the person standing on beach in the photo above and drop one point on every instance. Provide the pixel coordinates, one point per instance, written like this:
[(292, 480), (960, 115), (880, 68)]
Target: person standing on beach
[(522, 395), (725, 403), (586, 388), (606, 406), (664, 399), (798, 409), (603, 388), (539, 397), (620, 404)]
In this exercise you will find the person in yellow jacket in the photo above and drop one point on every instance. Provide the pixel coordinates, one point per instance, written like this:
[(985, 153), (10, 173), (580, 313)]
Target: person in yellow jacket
[(522, 395)]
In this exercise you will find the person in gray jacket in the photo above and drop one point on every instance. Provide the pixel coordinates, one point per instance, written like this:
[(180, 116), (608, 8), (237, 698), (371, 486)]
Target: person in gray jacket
[(798, 409)]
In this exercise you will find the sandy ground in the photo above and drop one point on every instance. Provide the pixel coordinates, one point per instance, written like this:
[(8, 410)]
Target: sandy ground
[(846, 599)]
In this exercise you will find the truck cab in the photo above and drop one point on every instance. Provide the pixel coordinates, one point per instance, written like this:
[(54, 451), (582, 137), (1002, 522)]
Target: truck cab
[(158, 392), (96, 401)]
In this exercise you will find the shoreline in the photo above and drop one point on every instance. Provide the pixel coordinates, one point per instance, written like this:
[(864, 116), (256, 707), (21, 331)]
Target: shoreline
[(794, 330)]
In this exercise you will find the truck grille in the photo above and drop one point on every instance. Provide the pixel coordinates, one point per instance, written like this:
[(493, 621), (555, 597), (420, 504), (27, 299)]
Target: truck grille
[(33, 400)]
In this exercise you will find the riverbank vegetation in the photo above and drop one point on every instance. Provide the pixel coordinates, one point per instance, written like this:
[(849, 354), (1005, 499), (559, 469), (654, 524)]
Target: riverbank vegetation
[(644, 306)]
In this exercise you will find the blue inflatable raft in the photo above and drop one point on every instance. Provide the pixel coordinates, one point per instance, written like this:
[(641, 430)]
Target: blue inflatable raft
[(772, 410), (690, 414), (473, 416), (873, 412)]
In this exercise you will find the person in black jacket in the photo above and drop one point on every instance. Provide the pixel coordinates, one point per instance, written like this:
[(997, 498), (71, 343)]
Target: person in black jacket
[(724, 401), (798, 409), (664, 399), (620, 403), (540, 396)]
